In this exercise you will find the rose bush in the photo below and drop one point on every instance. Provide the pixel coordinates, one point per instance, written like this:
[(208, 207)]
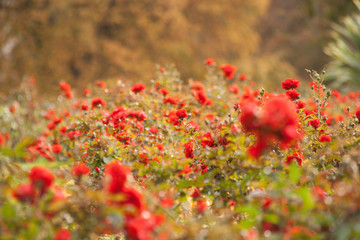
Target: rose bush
[(212, 159)]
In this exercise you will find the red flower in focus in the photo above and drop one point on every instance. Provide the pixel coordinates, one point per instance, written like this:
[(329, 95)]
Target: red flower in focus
[(181, 113), (24, 193), (209, 62), (296, 156), (290, 84), (56, 148), (97, 101), (293, 94), (189, 151), (207, 140), (42, 178), (62, 234), (314, 123), (228, 70), (80, 169), (117, 174), (138, 88), (325, 138)]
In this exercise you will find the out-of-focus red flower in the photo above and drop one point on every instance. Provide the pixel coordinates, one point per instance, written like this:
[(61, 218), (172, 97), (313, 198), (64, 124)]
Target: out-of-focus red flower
[(80, 169), (325, 138), (201, 97), (41, 178), (296, 156), (138, 88), (249, 117), (243, 77), (162, 69), (300, 105), (314, 123), (164, 91), (181, 113), (62, 234), (357, 113), (189, 151), (24, 193), (197, 86), (56, 148), (84, 107), (101, 84), (98, 101), (86, 92), (228, 70), (210, 62), (207, 140), (154, 130), (293, 94), (65, 86), (195, 193), (118, 175), (318, 192), (234, 89), (290, 84)]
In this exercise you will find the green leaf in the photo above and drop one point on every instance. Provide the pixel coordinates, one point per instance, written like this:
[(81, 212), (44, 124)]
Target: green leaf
[(8, 211), (294, 172)]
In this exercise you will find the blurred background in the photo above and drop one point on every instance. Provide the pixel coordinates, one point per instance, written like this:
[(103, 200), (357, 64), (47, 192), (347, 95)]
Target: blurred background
[(81, 41)]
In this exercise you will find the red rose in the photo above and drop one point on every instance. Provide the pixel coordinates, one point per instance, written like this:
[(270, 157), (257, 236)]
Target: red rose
[(138, 88), (80, 169), (228, 70), (290, 84)]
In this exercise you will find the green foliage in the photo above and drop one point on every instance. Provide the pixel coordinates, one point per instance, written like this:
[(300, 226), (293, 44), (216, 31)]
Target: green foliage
[(344, 70)]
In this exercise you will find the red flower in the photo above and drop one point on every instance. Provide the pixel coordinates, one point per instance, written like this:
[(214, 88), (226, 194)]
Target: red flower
[(234, 89), (97, 101), (101, 84), (228, 70), (209, 62), (357, 113), (207, 140), (138, 88), (290, 84), (198, 86), (189, 151), (249, 117), (325, 138), (153, 130), (86, 92), (65, 86), (84, 107), (243, 77), (117, 174), (24, 193), (298, 157), (42, 178), (181, 113), (62, 234), (201, 97), (164, 91), (300, 105), (56, 148), (314, 123), (195, 193), (293, 94), (80, 169)]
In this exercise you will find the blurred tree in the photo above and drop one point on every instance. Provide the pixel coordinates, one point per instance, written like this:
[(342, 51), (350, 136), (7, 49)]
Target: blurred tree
[(296, 31), (344, 69), (83, 40)]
